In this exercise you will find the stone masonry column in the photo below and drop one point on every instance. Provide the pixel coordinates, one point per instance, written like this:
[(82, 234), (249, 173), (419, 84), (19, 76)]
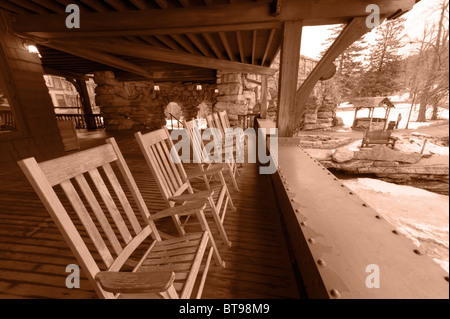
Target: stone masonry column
[(231, 97)]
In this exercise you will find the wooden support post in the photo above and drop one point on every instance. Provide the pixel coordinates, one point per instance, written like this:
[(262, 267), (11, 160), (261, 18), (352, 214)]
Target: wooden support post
[(388, 111), (371, 111), (81, 87), (264, 100), (287, 85)]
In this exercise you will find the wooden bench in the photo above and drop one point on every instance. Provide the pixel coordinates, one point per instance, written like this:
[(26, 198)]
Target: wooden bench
[(378, 137)]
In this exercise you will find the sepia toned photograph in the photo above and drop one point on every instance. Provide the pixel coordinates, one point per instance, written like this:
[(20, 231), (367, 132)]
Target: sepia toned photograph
[(237, 152)]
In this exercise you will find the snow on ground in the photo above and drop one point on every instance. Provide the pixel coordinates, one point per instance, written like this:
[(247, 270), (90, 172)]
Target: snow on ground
[(420, 215), (414, 144), (346, 112)]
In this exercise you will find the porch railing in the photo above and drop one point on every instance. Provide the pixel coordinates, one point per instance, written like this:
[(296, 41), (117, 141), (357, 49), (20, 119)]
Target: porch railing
[(173, 117), (7, 122), (247, 120), (80, 122)]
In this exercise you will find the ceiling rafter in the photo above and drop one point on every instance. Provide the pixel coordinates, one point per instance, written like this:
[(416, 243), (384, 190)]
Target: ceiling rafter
[(118, 47), (268, 46), (213, 45), (240, 45), (223, 38), (27, 4)]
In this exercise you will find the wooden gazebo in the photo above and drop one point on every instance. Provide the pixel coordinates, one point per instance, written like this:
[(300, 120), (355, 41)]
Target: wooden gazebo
[(370, 122)]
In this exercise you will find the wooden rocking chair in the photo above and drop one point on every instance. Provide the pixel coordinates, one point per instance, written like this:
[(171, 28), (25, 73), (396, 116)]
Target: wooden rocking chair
[(173, 182), (204, 160), (222, 117), (167, 269)]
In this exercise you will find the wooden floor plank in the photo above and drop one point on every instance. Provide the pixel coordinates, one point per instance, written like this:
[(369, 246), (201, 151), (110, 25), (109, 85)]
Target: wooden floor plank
[(33, 255)]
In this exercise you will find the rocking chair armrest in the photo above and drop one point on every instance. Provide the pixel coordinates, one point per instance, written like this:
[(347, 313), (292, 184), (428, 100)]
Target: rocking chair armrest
[(192, 197), (186, 209), (135, 282), (210, 171)]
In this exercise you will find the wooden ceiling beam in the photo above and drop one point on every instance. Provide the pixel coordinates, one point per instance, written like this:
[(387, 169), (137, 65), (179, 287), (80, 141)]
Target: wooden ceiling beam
[(195, 38), (27, 4), (206, 16), (185, 43), (223, 38), (99, 57), (163, 31), (213, 45), (145, 52), (96, 5), (50, 5), (13, 8), (64, 73), (254, 37), (119, 5), (240, 46), (169, 42), (140, 4), (268, 46)]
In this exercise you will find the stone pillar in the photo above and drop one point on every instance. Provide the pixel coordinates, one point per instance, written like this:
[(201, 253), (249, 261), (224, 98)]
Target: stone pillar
[(127, 105), (231, 95)]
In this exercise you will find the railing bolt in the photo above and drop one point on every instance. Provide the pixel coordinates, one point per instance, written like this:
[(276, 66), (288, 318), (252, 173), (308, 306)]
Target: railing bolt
[(446, 278), (365, 205), (351, 193), (418, 252), (395, 231), (303, 223), (312, 241), (335, 293), (378, 216), (321, 262)]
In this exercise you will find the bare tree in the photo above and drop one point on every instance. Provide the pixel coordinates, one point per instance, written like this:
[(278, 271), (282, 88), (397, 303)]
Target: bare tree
[(434, 59)]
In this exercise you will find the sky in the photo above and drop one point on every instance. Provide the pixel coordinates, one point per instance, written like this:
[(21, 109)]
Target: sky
[(314, 37)]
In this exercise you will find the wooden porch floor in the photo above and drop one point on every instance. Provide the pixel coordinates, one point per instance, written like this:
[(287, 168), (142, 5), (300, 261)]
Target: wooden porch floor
[(33, 254)]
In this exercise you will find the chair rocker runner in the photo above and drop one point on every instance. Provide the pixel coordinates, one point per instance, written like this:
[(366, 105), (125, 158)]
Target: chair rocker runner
[(206, 159), (173, 182), (115, 233)]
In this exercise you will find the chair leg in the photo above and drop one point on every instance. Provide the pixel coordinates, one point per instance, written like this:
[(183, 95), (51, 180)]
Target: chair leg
[(204, 224), (222, 180), (178, 225), (217, 220), (233, 178)]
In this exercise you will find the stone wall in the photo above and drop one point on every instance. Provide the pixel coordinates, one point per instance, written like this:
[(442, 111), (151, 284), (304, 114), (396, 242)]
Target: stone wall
[(321, 105), (238, 94), (137, 105), (37, 134), (320, 108)]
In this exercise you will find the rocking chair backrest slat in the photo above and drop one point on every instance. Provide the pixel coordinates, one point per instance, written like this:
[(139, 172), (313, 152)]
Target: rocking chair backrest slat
[(196, 141), (224, 120), (218, 123), (159, 153), (216, 130), (99, 202)]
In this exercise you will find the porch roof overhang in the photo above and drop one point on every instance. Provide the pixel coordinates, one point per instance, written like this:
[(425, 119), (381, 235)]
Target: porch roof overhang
[(183, 40)]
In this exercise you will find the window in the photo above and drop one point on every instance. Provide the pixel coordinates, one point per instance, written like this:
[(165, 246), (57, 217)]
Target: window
[(48, 81), (60, 100), (57, 82), (7, 120)]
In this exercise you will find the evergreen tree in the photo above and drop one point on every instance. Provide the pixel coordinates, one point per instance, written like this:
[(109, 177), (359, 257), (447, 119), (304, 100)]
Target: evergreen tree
[(383, 71), (348, 66)]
